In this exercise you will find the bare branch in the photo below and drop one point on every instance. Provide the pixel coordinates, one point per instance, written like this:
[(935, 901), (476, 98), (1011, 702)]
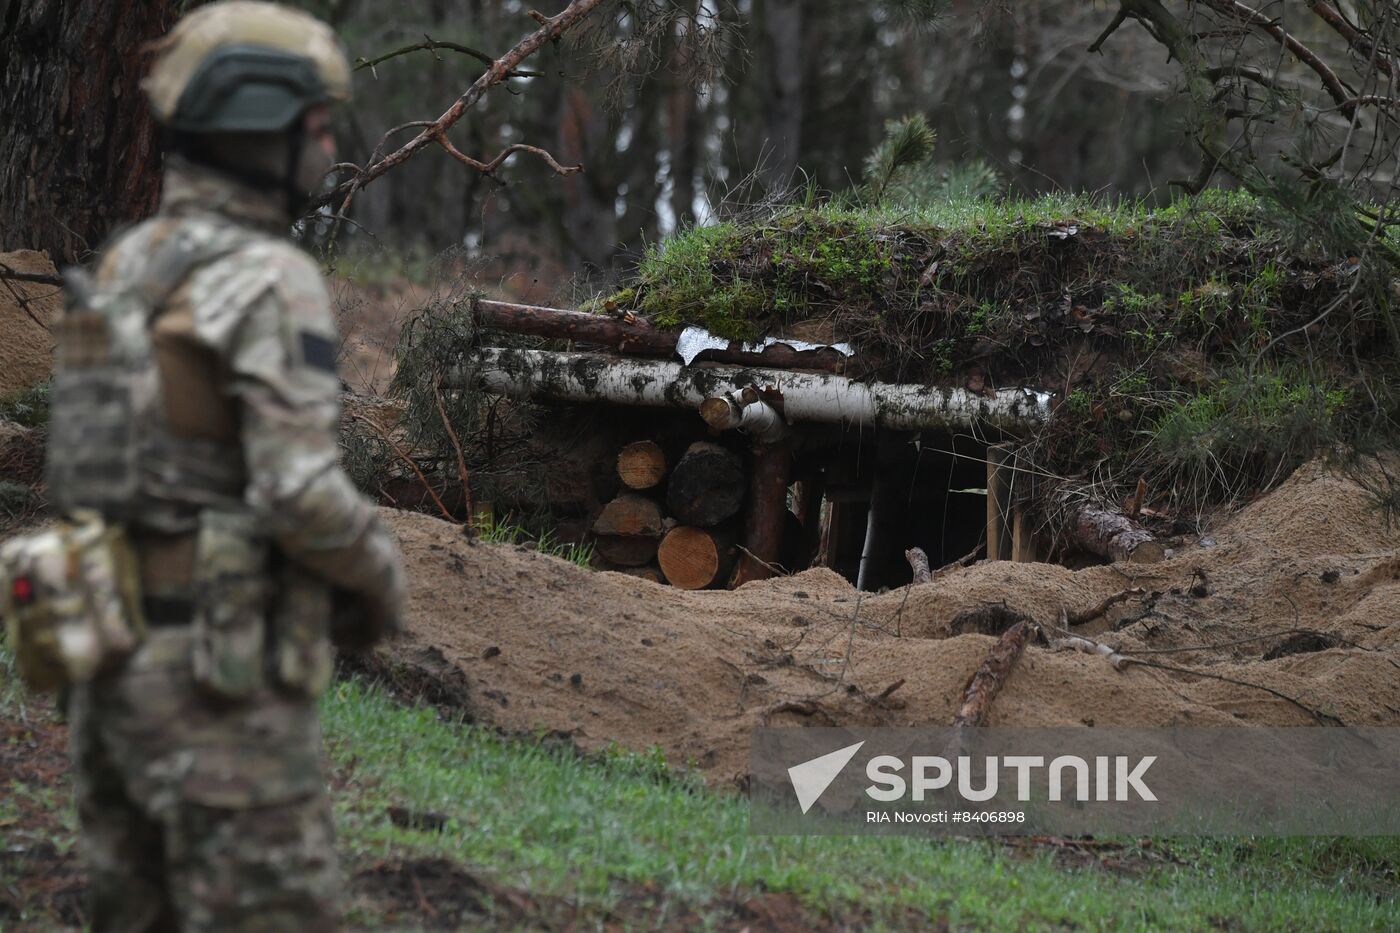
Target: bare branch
[(551, 28), (39, 278), (487, 168), (1359, 42), (1118, 19), (388, 441), (1333, 85), (429, 44)]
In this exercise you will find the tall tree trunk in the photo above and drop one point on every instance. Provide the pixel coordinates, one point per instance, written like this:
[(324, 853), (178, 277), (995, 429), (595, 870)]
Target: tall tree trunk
[(78, 153), (781, 88)]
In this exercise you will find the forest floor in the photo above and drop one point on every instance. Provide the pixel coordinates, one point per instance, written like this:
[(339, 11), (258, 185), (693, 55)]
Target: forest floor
[(550, 748)]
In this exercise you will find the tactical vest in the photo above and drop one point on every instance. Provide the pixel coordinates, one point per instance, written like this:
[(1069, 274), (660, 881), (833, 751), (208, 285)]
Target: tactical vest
[(111, 448)]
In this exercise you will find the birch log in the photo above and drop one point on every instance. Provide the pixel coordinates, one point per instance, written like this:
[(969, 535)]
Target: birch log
[(811, 397)]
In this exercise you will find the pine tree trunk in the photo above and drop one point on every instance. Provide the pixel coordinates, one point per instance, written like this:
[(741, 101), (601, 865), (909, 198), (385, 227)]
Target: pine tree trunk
[(78, 147)]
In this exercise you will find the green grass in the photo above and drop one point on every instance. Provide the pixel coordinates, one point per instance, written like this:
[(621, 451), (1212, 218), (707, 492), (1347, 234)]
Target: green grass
[(592, 829), (596, 830), (505, 531)]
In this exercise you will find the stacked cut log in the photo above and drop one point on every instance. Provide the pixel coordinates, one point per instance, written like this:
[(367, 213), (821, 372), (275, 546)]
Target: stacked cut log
[(706, 491), (691, 545), (628, 530)]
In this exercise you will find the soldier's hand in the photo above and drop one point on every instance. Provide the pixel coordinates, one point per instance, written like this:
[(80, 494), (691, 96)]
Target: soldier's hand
[(358, 621)]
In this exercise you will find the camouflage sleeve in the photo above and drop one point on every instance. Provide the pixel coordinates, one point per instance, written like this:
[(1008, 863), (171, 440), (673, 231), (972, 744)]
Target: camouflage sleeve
[(266, 311)]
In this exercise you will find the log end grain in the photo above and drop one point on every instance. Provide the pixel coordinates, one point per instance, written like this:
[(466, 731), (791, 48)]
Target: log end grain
[(641, 465), (693, 558), (630, 514)]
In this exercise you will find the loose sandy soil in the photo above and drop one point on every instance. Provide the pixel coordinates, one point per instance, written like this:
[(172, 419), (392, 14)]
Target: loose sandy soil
[(530, 642), (26, 311)]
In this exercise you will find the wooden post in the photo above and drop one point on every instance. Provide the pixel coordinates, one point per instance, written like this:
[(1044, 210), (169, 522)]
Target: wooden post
[(1022, 539), (763, 525), (999, 502), (829, 534), (867, 550), (807, 502), (1022, 492)]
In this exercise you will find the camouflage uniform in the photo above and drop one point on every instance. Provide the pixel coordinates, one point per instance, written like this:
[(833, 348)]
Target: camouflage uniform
[(203, 812)]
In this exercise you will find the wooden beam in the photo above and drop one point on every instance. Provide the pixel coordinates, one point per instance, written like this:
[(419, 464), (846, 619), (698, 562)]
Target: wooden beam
[(999, 478), (635, 336)]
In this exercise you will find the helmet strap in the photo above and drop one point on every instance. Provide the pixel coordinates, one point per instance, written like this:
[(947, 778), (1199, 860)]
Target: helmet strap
[(296, 198), (196, 149)]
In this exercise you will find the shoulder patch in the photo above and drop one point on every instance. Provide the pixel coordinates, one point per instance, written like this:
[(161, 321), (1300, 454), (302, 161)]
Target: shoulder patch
[(317, 351)]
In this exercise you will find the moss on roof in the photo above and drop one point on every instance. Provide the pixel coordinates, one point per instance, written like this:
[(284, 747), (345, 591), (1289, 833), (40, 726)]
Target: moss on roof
[(1202, 345)]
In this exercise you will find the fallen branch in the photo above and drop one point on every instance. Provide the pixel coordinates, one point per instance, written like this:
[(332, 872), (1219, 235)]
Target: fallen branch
[(398, 451), (1097, 610), (1075, 643), (38, 278), (467, 508), (1121, 661), (987, 682)]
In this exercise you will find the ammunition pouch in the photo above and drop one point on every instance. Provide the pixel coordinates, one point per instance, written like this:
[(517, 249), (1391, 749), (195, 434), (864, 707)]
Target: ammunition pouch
[(231, 601), (302, 658), (71, 601)]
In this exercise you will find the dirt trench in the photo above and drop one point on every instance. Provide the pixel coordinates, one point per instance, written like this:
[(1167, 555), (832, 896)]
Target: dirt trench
[(1307, 577)]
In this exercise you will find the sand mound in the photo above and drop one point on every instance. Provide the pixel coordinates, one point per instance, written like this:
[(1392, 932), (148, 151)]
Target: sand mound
[(532, 642), (26, 309)]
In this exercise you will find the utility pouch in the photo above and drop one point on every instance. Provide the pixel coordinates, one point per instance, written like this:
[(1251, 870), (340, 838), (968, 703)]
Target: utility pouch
[(71, 600), (231, 605), (301, 617)]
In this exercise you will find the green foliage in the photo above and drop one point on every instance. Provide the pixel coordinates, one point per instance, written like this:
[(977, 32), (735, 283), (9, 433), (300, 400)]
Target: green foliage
[(28, 407), (508, 532), (908, 142), (1250, 429), (901, 171)]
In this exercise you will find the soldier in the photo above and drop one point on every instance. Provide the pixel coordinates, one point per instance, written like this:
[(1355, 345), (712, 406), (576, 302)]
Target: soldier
[(205, 427)]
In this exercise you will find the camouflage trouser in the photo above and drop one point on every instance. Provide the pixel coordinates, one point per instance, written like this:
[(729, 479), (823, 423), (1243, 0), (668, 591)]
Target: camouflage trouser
[(199, 816)]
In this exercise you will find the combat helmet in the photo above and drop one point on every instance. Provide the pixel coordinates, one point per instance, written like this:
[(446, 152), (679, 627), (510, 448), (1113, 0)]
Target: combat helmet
[(243, 66)]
